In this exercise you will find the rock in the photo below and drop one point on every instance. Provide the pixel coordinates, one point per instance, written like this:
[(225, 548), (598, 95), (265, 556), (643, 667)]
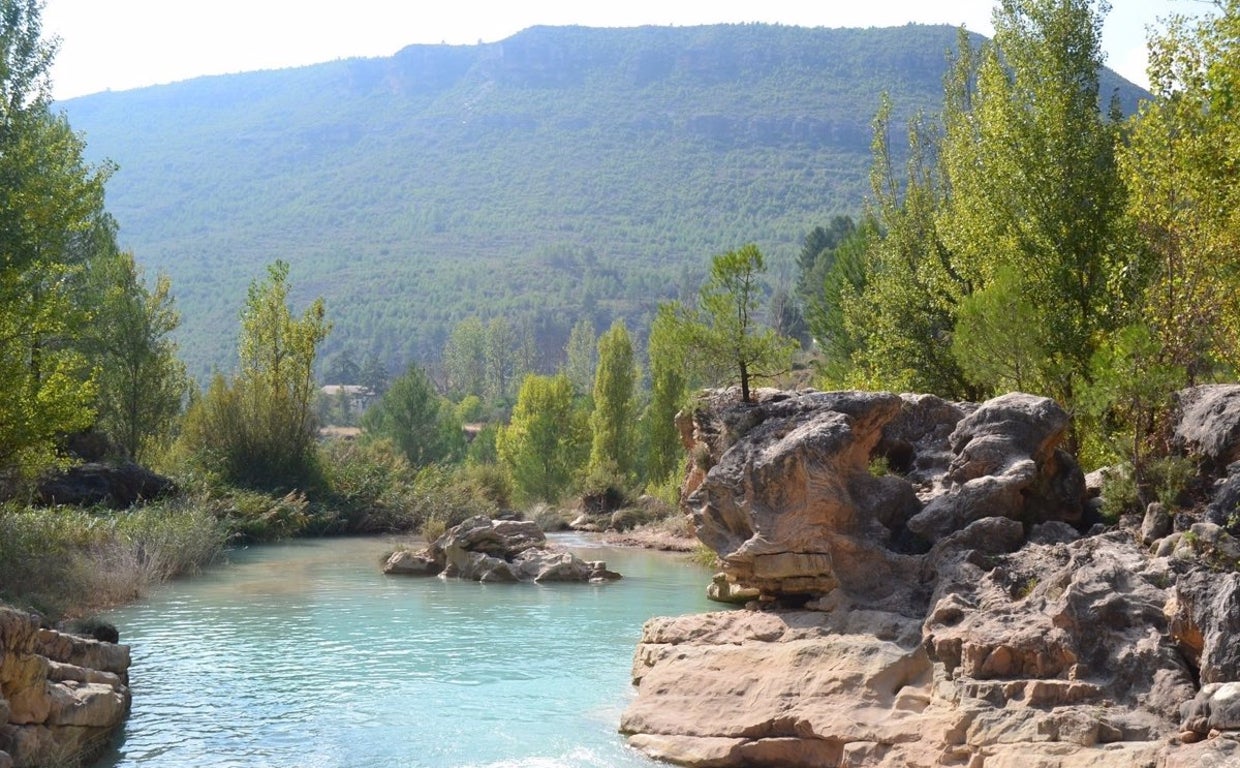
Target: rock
[(1209, 423), (61, 696), (1006, 462), (958, 608), (485, 550), (406, 563), (115, 485), (1203, 612), (1224, 507), (789, 502), (1156, 525), (723, 590)]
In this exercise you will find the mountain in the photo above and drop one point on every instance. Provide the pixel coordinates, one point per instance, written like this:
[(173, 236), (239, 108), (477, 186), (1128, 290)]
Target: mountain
[(559, 173)]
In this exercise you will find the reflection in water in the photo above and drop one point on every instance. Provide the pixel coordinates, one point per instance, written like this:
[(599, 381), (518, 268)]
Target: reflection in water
[(304, 654)]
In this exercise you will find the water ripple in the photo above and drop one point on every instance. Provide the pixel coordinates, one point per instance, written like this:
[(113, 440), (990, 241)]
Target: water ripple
[(305, 655)]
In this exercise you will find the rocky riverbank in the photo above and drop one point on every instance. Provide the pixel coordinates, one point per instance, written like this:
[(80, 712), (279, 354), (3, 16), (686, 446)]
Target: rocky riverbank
[(935, 589), (62, 696)]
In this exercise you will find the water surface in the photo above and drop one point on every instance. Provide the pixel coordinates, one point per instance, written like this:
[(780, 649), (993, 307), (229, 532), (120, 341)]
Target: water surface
[(305, 654)]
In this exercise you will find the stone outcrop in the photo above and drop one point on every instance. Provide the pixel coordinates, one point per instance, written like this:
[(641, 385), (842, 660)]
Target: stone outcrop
[(481, 549), (928, 589), (61, 696), (95, 483)]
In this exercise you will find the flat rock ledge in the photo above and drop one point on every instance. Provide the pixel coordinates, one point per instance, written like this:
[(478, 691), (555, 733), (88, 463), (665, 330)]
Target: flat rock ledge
[(62, 697), (481, 549), (927, 588)]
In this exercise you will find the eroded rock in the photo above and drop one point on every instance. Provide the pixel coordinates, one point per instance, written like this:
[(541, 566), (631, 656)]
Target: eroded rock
[(480, 549), (958, 607), (61, 696)]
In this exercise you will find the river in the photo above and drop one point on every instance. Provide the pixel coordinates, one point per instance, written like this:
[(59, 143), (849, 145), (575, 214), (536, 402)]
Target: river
[(305, 654)]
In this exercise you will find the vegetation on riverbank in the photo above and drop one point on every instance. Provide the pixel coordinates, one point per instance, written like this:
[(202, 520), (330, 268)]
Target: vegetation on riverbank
[(1035, 243)]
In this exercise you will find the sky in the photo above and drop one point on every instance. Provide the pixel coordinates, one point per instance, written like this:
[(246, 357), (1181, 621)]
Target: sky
[(123, 44)]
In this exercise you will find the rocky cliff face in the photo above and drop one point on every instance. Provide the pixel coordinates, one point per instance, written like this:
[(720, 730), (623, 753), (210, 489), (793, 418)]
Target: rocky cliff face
[(61, 696), (932, 592)]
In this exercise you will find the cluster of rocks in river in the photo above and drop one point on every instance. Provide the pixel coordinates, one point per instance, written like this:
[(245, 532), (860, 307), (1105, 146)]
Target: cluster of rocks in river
[(62, 695), (963, 608), (488, 550)]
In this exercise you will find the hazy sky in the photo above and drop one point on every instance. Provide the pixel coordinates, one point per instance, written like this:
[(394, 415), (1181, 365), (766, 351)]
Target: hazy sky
[(120, 44)]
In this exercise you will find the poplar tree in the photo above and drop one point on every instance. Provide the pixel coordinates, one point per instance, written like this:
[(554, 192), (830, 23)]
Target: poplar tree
[(668, 393), (1036, 196), (612, 422), (142, 383)]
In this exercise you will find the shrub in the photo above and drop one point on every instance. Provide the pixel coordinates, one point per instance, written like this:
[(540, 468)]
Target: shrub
[(69, 561)]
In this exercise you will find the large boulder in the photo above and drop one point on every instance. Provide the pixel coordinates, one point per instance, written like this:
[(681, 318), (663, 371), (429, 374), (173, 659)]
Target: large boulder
[(114, 485), (794, 501), (1209, 423)]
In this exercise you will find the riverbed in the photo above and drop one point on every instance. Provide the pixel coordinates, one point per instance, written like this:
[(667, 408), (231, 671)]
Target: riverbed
[(305, 654)]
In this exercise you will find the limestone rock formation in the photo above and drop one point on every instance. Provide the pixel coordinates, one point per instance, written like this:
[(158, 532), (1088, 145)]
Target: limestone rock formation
[(481, 549), (932, 592), (61, 696)]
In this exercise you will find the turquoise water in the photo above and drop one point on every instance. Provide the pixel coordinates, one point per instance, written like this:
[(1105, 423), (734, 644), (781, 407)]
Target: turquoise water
[(304, 654)]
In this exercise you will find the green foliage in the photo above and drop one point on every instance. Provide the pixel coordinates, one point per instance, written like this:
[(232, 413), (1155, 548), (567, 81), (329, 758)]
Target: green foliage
[(723, 337), (371, 487), (142, 383), (609, 161), (259, 429), (420, 422), (1036, 204), (581, 356), (669, 390), (996, 342), (544, 445), (1131, 392), (52, 224), (837, 276), (898, 314), (1180, 166), (613, 420)]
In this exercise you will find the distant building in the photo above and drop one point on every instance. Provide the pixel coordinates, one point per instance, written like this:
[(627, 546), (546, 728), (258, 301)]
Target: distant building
[(356, 397)]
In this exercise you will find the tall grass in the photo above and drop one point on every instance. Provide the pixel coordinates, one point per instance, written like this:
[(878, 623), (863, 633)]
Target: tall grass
[(68, 562)]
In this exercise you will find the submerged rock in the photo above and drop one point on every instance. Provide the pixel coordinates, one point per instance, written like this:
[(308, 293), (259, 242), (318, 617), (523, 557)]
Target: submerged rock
[(481, 549)]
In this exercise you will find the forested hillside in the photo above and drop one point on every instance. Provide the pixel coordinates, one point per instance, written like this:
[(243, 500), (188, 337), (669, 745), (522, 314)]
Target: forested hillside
[(561, 173)]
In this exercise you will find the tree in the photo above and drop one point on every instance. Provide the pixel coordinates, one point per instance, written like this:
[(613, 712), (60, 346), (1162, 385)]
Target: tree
[(1034, 186), (1180, 166), (259, 429), (723, 336), (142, 383), (840, 277), (612, 424), (815, 258), (668, 392), (465, 358), (51, 211), (542, 446), (417, 420), (581, 354)]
